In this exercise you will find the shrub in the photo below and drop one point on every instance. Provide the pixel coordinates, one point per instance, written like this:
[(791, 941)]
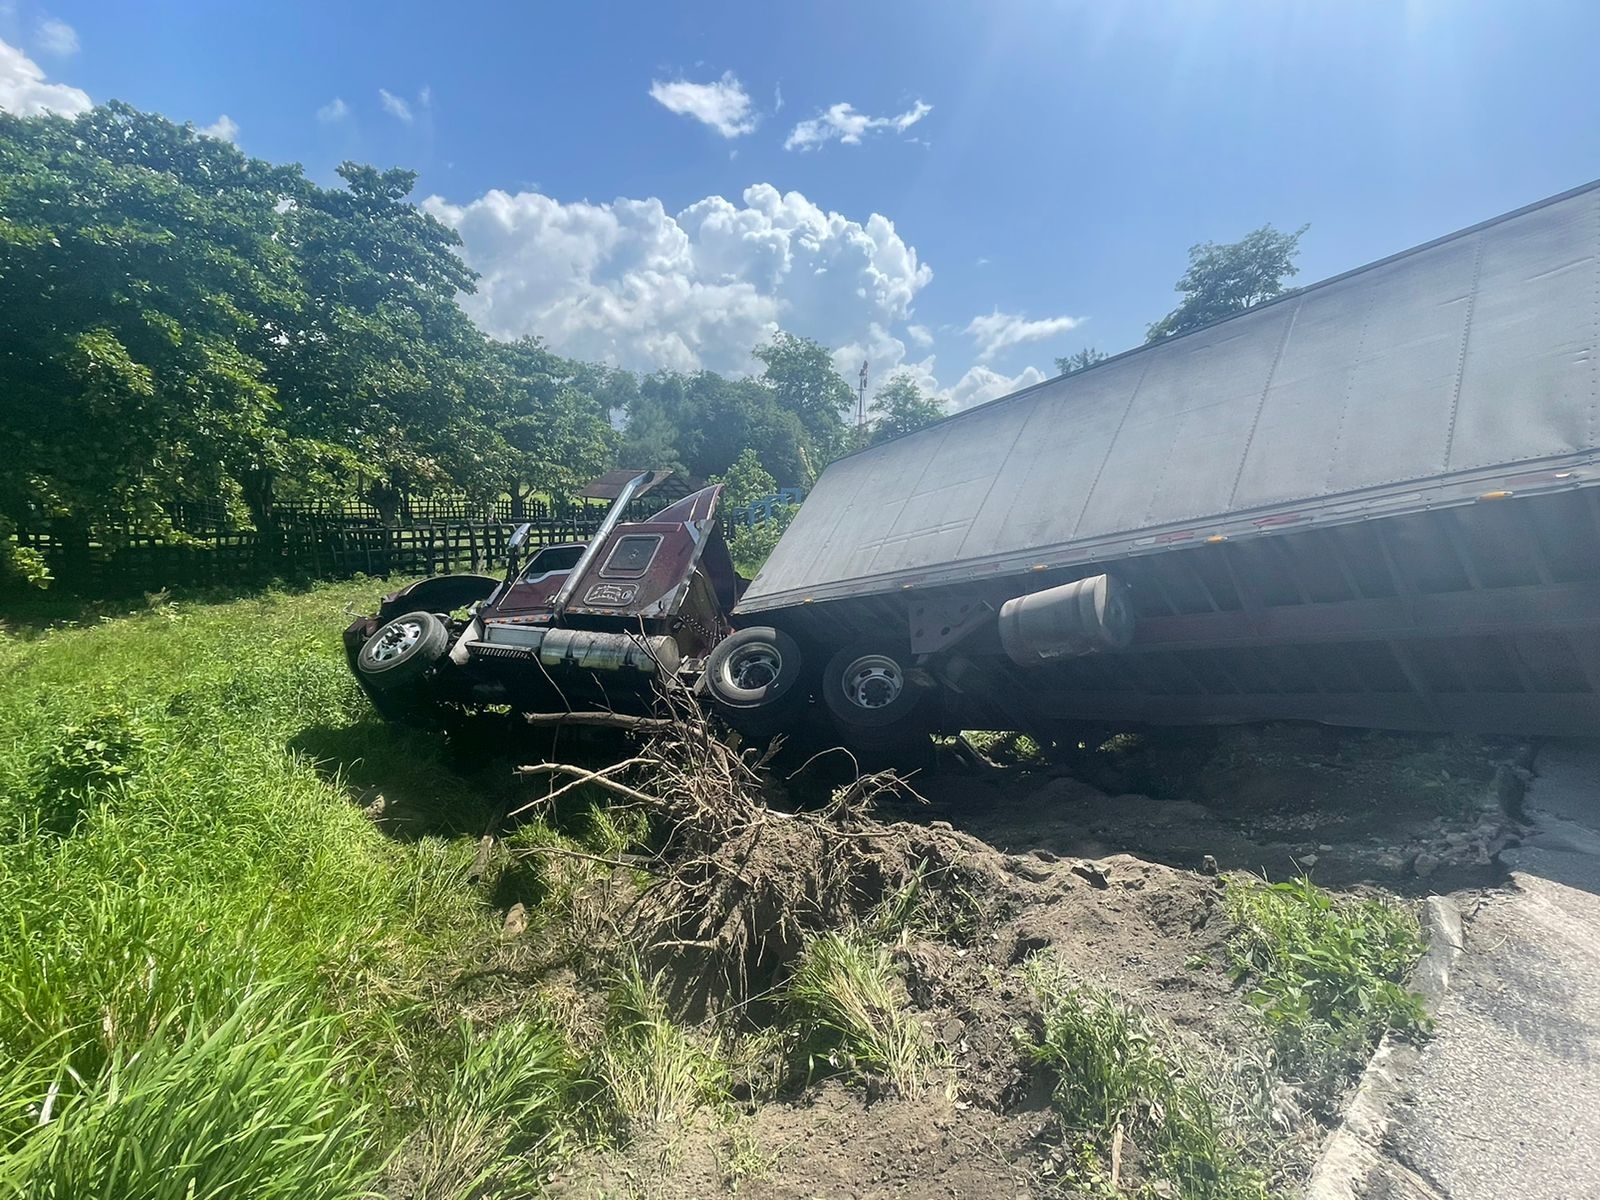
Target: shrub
[(82, 764)]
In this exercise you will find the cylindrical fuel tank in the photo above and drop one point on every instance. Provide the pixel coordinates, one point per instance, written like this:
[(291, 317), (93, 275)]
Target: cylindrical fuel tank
[(587, 650), (1063, 622)]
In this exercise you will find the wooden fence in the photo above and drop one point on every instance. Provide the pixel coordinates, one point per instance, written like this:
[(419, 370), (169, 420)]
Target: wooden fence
[(332, 539), (138, 563)]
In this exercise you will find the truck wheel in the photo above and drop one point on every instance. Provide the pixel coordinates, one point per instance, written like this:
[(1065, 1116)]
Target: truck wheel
[(875, 700), (751, 677), (401, 652)]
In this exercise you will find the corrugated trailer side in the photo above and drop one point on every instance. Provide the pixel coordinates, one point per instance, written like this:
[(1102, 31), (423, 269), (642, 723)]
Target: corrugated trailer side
[(1369, 502)]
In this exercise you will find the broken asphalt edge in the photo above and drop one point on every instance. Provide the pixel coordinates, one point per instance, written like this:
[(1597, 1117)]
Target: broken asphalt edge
[(1355, 1148)]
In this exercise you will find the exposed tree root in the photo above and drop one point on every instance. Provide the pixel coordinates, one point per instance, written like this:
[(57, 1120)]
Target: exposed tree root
[(742, 886)]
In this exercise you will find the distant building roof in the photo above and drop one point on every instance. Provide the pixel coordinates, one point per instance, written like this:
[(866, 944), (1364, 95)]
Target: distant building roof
[(666, 485)]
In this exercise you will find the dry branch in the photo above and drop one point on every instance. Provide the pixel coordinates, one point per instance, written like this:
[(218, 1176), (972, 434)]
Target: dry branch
[(608, 720)]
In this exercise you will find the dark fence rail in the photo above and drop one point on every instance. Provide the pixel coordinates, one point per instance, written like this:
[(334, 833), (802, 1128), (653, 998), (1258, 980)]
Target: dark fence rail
[(147, 564), (328, 539), (210, 518)]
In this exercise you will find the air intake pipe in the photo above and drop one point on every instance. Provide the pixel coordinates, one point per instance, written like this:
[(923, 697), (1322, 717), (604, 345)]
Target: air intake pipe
[(1077, 618)]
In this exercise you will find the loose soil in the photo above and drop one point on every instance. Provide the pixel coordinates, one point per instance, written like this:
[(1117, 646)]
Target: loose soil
[(1110, 863)]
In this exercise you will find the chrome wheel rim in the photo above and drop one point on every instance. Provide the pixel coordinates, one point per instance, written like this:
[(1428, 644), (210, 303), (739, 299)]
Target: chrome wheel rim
[(395, 640), (873, 681), (753, 667)]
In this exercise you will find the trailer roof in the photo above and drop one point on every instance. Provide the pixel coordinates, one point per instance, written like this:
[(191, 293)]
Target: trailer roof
[(1477, 351)]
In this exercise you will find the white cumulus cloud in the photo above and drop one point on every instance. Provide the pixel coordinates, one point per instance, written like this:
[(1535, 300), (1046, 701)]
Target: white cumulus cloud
[(998, 331), (981, 384), (841, 122), (978, 385), (394, 105), (224, 128), (334, 110), (57, 37), (722, 104), (23, 89), (631, 284)]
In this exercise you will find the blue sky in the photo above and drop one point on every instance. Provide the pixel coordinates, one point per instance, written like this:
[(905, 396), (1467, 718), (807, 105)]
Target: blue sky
[(1038, 169)]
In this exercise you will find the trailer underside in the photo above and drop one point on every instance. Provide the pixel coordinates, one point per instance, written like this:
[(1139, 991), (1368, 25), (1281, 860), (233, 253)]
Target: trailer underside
[(1482, 617)]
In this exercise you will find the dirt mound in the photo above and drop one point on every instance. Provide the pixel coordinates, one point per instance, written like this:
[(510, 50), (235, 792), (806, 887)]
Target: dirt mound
[(830, 1146), (1148, 932), (1348, 807)]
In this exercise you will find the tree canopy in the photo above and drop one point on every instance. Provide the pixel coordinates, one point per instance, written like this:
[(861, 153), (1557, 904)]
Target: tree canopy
[(182, 323), (790, 416), (900, 407), (1227, 278), (1087, 357)]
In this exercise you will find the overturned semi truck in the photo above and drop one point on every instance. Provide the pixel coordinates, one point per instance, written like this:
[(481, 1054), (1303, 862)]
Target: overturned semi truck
[(1370, 502)]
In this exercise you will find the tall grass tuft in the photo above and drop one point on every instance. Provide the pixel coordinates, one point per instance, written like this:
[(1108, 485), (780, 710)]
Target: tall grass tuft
[(852, 1013), (652, 1072), (249, 1105), (494, 1125), (1118, 1073)]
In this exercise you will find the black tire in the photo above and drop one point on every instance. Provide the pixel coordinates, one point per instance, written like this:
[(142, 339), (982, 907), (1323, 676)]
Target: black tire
[(878, 703), (403, 651), (753, 669)]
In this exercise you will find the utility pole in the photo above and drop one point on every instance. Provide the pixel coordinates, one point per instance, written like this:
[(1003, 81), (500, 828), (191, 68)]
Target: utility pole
[(861, 402)]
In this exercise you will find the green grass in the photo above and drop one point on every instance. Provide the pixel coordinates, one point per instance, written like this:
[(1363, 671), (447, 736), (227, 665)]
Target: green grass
[(852, 1014), (652, 1072), (254, 1104), (1116, 1068), (203, 938), (495, 1123), (1326, 975)]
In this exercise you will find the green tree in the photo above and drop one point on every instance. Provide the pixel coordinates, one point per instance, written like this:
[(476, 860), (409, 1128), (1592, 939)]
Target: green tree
[(1228, 278), (746, 481), (801, 375), (555, 432), (136, 262), (376, 364), (900, 407), (1087, 357), (701, 422), (180, 322)]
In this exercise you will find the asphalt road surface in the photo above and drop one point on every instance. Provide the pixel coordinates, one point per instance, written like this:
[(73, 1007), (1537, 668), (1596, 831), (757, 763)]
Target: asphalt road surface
[(1505, 1100)]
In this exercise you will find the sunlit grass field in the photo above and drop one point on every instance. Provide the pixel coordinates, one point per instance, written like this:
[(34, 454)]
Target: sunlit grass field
[(218, 976)]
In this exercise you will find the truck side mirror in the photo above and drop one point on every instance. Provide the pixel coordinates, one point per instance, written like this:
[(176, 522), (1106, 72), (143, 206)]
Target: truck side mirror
[(514, 545)]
